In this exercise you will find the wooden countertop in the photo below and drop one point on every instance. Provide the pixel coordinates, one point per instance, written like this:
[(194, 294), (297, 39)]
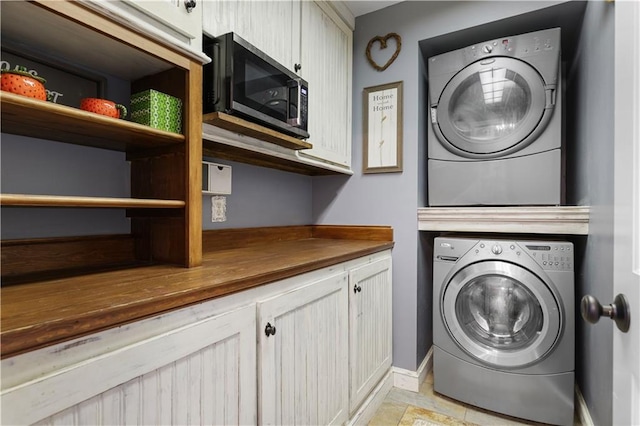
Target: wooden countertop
[(42, 313)]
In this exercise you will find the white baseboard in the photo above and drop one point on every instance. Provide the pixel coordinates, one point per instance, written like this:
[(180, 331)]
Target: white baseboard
[(582, 409), (375, 399), (411, 380)]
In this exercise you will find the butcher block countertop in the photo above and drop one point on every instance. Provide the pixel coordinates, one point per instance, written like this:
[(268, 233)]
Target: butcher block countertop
[(39, 314)]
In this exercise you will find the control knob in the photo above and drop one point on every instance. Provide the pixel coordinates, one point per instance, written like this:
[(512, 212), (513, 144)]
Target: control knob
[(496, 249), (487, 48)]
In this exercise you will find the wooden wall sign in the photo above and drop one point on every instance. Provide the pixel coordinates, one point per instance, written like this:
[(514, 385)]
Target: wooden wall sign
[(382, 128), (383, 45)]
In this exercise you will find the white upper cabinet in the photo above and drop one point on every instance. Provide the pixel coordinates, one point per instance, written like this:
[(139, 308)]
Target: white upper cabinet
[(179, 19), (326, 57), (273, 26)]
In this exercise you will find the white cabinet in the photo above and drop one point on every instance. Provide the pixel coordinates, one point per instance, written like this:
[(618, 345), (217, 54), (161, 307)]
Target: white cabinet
[(370, 341), (303, 354), (273, 26), (200, 373), (320, 350), (169, 18), (326, 46)]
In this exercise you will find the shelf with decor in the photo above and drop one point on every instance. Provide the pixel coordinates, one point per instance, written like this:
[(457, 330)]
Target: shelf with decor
[(563, 220), (164, 208), (46, 120)]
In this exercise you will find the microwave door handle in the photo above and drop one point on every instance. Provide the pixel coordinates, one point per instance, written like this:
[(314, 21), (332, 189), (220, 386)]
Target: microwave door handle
[(294, 83)]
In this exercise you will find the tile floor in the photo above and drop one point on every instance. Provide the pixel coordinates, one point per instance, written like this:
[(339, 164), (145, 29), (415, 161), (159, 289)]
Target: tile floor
[(397, 401)]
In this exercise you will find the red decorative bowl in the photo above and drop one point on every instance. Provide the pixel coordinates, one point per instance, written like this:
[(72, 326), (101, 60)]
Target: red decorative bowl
[(103, 107), (19, 81)]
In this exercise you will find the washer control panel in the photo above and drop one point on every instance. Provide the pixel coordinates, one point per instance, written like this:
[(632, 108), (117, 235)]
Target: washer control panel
[(552, 256)]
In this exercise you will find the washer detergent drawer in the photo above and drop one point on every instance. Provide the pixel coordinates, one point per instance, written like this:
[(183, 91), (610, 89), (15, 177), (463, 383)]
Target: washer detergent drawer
[(541, 398), (530, 180)]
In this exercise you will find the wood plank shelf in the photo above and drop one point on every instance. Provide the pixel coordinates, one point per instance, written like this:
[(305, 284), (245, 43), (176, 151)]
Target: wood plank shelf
[(45, 120), (567, 220), (239, 125), (27, 200)]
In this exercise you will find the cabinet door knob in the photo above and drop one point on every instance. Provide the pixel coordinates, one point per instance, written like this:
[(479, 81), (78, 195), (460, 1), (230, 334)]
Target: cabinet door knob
[(297, 67), (190, 5), (357, 288), (269, 330)]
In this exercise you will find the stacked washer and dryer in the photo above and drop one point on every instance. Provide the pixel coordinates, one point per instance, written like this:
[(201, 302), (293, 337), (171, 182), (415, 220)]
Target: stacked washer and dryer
[(503, 313)]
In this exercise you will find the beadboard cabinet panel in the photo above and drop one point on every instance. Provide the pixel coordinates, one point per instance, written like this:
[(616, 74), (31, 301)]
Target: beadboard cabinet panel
[(170, 18), (326, 54), (304, 364), (273, 26), (202, 373), (370, 339)]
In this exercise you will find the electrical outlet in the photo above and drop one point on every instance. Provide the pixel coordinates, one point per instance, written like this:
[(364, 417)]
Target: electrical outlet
[(218, 208)]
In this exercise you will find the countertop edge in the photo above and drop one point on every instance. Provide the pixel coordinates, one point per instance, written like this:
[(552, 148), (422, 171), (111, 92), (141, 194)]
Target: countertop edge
[(20, 340)]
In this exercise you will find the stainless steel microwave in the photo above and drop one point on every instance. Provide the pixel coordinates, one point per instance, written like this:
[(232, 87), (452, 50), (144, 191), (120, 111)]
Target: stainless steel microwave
[(242, 80)]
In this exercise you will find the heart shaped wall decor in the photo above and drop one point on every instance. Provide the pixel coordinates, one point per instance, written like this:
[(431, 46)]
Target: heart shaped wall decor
[(383, 45)]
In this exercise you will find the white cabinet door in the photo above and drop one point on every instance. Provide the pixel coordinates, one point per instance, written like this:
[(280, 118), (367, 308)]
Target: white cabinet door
[(272, 26), (370, 341), (303, 364), (202, 373), (170, 16), (326, 53)]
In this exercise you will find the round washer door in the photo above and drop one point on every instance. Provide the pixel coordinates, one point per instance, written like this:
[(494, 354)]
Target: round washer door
[(492, 107), (501, 314)]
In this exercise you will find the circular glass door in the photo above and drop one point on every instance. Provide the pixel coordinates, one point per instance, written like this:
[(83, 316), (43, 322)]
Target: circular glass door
[(501, 314), (491, 107)]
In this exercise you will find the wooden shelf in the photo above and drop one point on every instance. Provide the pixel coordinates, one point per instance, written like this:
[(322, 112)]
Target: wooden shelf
[(45, 120), (26, 200), (224, 144), (565, 220), (238, 125)]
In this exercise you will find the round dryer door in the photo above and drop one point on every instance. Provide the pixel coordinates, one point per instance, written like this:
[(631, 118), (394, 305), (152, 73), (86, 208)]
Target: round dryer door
[(493, 107), (501, 314)]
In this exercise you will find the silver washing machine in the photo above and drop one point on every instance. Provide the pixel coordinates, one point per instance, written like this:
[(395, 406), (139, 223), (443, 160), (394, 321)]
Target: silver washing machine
[(503, 326), (496, 123)]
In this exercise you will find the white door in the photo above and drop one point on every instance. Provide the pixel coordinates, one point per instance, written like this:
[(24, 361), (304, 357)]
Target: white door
[(272, 26), (174, 14), (303, 344), (201, 373), (370, 340), (626, 346), (326, 53)]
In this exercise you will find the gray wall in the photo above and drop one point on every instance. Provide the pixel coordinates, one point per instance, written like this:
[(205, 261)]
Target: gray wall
[(262, 197), (591, 108), (393, 199), (34, 166)]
